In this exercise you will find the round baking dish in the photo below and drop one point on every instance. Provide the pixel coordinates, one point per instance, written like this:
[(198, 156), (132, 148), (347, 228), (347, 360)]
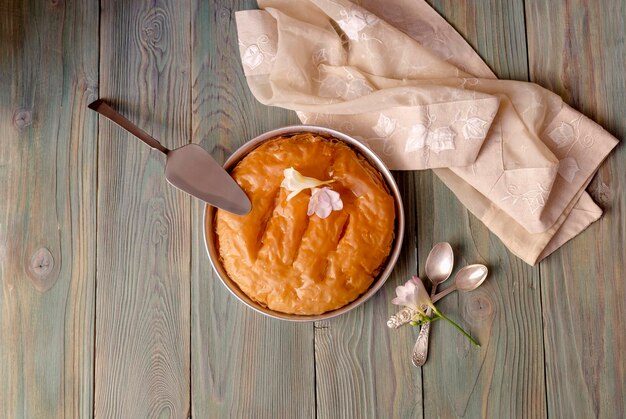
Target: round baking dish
[(210, 238)]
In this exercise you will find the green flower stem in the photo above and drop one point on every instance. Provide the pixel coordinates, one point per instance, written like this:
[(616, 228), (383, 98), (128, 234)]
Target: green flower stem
[(424, 321), (437, 312)]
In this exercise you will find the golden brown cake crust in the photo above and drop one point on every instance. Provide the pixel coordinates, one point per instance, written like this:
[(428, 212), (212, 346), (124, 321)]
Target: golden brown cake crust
[(295, 263)]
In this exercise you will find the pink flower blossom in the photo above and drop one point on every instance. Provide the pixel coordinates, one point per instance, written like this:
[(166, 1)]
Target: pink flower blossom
[(324, 201), (413, 295)]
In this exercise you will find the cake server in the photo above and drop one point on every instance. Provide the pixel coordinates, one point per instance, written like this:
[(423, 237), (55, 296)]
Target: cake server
[(189, 168)]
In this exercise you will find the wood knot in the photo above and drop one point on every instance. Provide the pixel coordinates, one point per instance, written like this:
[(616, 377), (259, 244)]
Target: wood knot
[(158, 232), (153, 27), (22, 119), (157, 206), (90, 87), (158, 221), (40, 269), (224, 13), (55, 3), (479, 308)]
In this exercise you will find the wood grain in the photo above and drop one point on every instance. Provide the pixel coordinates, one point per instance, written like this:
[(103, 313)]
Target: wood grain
[(143, 295), (48, 74), (582, 284), (505, 377), (161, 337), (243, 364), (495, 29), (363, 368)]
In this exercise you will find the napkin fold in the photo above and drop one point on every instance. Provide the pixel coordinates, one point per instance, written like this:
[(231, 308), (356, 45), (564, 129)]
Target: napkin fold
[(396, 76)]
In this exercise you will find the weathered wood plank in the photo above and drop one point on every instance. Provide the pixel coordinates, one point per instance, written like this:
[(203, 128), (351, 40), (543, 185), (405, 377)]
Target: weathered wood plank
[(505, 377), (48, 74), (243, 364), (577, 50), (363, 368), (495, 29), (143, 295)]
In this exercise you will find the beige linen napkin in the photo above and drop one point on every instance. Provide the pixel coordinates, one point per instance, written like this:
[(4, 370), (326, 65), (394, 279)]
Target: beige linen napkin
[(396, 76)]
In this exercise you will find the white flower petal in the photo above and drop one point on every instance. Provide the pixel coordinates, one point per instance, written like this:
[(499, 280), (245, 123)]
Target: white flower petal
[(413, 295), (323, 210), (337, 205), (323, 198), (324, 201), (296, 183), (421, 297)]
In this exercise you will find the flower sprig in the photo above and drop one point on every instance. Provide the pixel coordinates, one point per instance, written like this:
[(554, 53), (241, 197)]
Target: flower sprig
[(323, 201), (295, 182), (414, 296)]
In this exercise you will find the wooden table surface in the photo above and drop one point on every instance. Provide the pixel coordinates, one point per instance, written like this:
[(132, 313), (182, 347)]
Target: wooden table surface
[(109, 306)]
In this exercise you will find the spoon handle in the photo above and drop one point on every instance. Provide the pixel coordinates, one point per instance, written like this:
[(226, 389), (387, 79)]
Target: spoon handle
[(420, 350), (401, 318), (443, 293), (105, 110)]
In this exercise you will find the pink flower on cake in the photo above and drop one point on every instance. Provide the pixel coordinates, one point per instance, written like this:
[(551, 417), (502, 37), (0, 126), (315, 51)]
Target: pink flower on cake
[(324, 201)]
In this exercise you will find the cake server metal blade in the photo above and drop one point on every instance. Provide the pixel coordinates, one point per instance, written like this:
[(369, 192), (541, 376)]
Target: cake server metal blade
[(189, 168), (193, 170)]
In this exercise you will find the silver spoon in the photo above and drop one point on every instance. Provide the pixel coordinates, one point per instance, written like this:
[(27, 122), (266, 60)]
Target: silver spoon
[(467, 279), (472, 277), (439, 264)]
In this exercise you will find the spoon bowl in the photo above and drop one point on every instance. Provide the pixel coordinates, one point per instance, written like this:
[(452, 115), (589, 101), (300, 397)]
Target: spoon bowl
[(470, 277), (439, 263), (467, 279)]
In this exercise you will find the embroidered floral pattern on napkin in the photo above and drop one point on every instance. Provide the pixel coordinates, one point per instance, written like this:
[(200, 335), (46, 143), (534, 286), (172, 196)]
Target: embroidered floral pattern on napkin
[(396, 76)]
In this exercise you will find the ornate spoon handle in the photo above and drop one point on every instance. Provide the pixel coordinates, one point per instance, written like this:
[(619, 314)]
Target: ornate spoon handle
[(420, 350), (401, 318)]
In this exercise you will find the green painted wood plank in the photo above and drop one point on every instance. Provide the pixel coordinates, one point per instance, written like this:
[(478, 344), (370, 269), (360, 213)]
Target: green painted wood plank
[(363, 368), (143, 259), (505, 377), (48, 75), (577, 49), (243, 364)]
